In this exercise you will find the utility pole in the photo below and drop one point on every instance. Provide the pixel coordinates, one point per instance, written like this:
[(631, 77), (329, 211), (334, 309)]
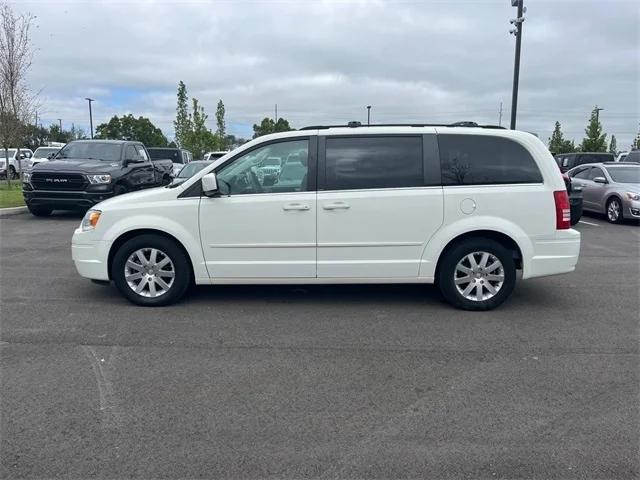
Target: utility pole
[(500, 115), (276, 117), (517, 31), (60, 123), (36, 119), (597, 109), (368, 114), (90, 115)]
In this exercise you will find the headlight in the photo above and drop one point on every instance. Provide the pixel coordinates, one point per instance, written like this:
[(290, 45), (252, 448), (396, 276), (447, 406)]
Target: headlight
[(633, 196), (99, 179), (90, 220), (26, 177)]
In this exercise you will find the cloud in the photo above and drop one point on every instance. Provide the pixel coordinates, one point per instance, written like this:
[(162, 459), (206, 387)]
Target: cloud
[(324, 61)]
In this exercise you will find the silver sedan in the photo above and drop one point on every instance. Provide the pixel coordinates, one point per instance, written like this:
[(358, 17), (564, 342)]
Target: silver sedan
[(609, 188)]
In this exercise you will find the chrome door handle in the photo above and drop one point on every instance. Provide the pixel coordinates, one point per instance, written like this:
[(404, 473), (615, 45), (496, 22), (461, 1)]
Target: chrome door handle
[(296, 206), (336, 206)]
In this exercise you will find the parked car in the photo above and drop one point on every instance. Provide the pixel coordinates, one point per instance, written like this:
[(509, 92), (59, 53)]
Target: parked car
[(610, 188), (459, 206), (11, 166), (42, 154), (621, 156), (189, 171), (632, 157), (85, 172), (269, 170), (567, 161), (211, 156), (179, 156), (575, 198)]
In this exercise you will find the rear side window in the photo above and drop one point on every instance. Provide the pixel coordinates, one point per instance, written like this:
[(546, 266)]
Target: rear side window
[(582, 173), (373, 162), (484, 160)]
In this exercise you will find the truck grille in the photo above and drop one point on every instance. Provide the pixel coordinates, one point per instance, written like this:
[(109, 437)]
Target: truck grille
[(58, 181)]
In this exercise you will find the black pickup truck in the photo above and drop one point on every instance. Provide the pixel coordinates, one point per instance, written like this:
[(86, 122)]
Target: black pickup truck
[(86, 172)]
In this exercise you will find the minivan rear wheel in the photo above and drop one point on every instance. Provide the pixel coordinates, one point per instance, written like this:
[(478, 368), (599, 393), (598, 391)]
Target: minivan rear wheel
[(151, 270), (477, 274)]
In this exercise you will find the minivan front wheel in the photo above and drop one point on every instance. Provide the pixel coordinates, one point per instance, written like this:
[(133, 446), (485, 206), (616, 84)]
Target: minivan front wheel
[(477, 274), (151, 270)]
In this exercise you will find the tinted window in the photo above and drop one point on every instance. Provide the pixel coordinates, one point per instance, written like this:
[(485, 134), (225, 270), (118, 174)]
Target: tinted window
[(164, 153), (582, 173), (633, 156), (482, 160), (596, 158), (630, 174), (373, 162), (595, 172)]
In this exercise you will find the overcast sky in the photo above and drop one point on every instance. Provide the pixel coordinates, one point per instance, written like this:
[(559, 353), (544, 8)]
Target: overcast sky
[(324, 61)]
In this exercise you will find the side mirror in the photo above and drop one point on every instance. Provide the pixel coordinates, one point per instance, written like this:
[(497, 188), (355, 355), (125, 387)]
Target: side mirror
[(600, 180), (130, 161), (210, 184)]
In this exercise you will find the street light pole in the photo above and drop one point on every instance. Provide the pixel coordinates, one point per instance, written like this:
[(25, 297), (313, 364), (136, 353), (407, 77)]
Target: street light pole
[(517, 31), (60, 123), (368, 114), (90, 115)]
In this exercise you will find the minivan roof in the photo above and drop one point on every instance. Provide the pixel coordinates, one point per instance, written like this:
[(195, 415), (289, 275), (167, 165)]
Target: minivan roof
[(360, 125)]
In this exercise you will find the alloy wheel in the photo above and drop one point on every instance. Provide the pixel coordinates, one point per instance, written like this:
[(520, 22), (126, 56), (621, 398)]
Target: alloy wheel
[(149, 272), (613, 211), (479, 276)]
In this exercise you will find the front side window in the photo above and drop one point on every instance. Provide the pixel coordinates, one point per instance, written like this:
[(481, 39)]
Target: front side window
[(275, 168), (485, 160), (142, 152), (595, 172), (582, 173), (354, 163)]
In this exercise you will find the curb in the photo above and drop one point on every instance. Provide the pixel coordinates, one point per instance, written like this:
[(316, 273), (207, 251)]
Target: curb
[(5, 212)]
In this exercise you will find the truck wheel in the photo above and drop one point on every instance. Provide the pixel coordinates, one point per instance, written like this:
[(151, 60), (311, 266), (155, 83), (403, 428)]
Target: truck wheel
[(477, 274), (39, 211), (151, 270)]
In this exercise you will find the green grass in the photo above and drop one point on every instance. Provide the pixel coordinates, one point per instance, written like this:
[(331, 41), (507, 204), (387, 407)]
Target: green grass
[(11, 196)]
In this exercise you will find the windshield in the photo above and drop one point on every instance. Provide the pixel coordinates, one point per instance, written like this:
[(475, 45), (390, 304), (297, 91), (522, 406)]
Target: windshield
[(628, 174), (44, 152), (191, 169), (109, 152), (271, 161), (3, 153)]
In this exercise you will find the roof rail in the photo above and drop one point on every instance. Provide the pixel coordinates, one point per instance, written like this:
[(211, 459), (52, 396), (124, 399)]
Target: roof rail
[(360, 125)]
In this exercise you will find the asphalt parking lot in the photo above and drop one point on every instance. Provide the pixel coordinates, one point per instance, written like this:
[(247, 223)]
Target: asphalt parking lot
[(321, 382)]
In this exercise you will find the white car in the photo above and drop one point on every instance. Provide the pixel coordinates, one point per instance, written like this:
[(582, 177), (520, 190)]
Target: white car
[(10, 166), (460, 206), (211, 156), (42, 154)]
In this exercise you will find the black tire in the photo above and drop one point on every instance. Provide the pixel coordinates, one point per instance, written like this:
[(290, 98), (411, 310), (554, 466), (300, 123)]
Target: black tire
[(13, 175), (181, 264), (611, 203), (39, 211), (447, 271)]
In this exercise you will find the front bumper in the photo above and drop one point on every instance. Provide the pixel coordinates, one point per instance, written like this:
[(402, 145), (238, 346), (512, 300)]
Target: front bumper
[(66, 200), (90, 257), (631, 208), (555, 255)]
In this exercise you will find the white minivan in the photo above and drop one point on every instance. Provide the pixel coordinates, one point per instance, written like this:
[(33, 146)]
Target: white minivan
[(463, 207)]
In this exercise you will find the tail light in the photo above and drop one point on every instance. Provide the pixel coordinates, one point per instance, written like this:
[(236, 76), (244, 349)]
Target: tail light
[(563, 210)]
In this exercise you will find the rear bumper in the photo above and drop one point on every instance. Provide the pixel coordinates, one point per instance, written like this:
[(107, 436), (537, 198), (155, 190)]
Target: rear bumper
[(90, 256), (64, 200), (554, 256)]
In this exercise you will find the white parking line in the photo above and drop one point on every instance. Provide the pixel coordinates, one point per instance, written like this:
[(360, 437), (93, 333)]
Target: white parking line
[(588, 223)]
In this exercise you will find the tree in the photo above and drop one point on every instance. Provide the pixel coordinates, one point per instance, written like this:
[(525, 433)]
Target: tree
[(636, 142), (613, 148), (595, 140), (221, 130), (199, 139), (128, 127), (268, 126), (557, 143), (16, 101), (182, 124)]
